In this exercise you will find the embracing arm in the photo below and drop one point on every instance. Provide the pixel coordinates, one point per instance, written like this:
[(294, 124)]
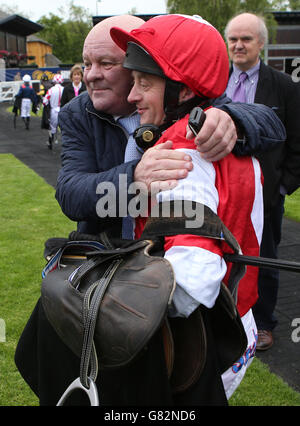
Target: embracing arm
[(260, 128), (92, 161), (245, 129)]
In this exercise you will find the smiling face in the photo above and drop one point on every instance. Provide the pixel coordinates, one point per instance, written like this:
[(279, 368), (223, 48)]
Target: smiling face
[(147, 94), (107, 82), (244, 41)]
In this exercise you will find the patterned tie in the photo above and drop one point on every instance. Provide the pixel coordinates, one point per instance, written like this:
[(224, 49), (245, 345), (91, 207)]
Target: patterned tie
[(132, 152), (239, 94)]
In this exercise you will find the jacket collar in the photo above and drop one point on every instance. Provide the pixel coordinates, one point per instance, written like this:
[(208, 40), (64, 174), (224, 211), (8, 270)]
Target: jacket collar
[(103, 116)]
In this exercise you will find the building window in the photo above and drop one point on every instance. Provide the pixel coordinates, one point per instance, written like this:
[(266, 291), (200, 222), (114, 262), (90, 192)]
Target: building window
[(21, 44), (11, 42), (2, 41)]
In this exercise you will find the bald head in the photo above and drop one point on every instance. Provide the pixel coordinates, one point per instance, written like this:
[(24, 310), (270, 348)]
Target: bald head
[(101, 31), (244, 20), (246, 35), (108, 83)]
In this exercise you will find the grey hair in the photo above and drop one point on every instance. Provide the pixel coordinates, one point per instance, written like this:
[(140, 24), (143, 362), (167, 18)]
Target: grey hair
[(262, 31)]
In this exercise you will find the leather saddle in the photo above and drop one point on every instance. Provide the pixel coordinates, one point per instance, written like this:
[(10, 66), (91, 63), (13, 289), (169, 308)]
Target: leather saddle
[(107, 301)]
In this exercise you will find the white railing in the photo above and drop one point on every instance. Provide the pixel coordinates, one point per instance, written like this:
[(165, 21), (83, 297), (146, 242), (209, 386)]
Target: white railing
[(9, 89)]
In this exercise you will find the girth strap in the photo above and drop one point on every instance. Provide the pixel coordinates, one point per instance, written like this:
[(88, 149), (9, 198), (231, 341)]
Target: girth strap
[(91, 306), (88, 361)]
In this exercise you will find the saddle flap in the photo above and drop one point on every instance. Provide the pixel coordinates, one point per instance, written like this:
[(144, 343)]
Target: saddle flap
[(132, 309)]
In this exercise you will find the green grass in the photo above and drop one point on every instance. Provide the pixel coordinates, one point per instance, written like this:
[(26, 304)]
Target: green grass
[(292, 206), (260, 387), (29, 215)]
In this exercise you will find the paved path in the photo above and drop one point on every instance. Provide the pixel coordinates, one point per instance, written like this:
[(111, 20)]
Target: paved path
[(29, 146), (284, 357)]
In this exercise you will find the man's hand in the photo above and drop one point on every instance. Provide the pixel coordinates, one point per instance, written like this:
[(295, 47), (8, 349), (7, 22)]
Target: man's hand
[(160, 167), (217, 136)]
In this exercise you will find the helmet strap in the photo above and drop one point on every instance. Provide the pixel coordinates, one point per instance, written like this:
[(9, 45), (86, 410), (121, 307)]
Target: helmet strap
[(173, 110), (171, 98)]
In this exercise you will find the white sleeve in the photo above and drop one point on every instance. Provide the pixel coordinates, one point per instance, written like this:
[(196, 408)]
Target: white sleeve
[(198, 272)]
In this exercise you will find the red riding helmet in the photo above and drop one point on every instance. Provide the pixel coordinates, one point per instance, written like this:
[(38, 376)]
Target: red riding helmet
[(187, 49)]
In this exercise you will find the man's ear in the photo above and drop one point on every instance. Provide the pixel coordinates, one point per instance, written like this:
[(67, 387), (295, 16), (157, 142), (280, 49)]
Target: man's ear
[(185, 94)]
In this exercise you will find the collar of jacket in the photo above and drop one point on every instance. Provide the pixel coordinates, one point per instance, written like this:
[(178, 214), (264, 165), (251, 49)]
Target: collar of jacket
[(103, 116)]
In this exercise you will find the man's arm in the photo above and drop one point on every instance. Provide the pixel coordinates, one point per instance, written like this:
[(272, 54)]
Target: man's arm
[(89, 161), (217, 137), (160, 167), (257, 129)]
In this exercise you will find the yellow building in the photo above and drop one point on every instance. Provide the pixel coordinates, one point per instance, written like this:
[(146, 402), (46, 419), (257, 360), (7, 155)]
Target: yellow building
[(37, 51)]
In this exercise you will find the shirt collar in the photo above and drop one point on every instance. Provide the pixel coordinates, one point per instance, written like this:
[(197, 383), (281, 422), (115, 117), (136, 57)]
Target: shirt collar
[(251, 71), (77, 87), (117, 117)]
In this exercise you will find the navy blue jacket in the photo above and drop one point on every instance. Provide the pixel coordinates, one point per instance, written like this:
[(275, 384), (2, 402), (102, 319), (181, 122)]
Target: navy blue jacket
[(93, 147), (27, 92), (282, 166)]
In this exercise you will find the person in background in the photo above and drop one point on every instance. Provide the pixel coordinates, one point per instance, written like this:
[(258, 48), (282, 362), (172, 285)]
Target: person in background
[(53, 98), (29, 100), (74, 88), (45, 85), (253, 81), (47, 82), (17, 76)]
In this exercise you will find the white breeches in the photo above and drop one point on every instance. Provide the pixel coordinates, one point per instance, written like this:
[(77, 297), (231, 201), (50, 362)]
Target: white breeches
[(234, 375), (54, 119), (25, 107)]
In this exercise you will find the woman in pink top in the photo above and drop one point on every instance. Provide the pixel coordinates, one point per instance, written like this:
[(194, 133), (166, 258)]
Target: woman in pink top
[(76, 86)]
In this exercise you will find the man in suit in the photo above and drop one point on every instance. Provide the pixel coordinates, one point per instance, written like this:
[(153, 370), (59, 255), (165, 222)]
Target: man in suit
[(246, 35)]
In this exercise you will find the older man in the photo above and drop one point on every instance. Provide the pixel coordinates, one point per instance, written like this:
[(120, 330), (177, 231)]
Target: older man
[(246, 36)]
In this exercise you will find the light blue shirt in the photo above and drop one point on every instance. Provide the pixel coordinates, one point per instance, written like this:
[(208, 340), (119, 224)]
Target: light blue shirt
[(130, 123)]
